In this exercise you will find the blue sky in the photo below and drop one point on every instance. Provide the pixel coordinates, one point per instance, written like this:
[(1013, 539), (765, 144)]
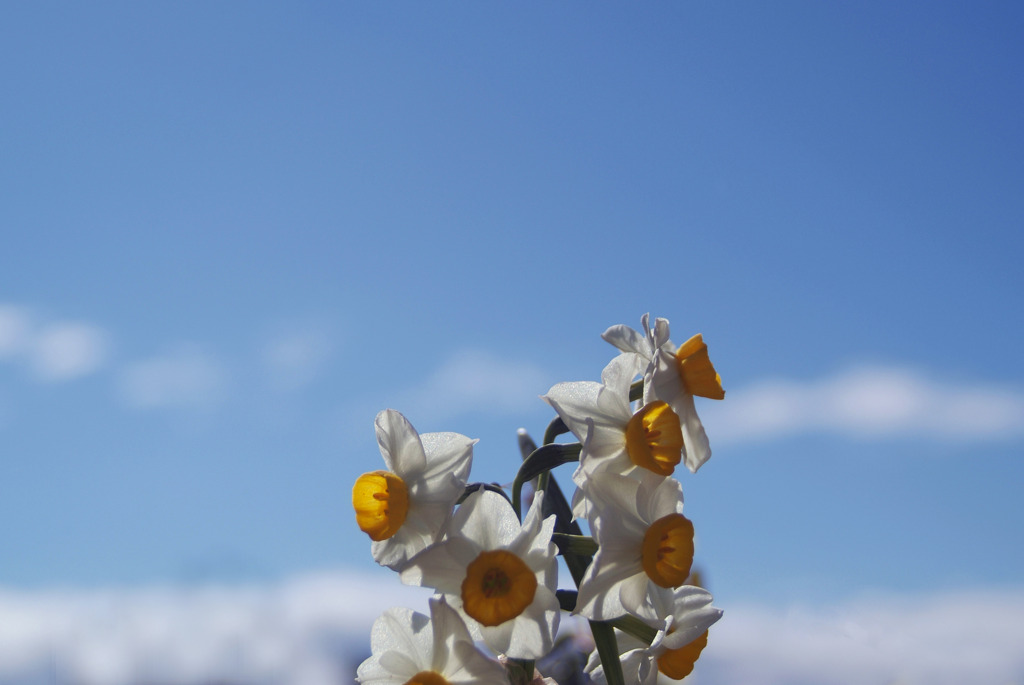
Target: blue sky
[(233, 233)]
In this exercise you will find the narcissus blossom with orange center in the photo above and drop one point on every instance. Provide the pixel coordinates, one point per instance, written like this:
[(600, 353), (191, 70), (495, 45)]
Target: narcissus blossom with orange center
[(411, 649), (500, 576), (614, 437), (682, 635), (645, 546), (404, 507), (674, 375)]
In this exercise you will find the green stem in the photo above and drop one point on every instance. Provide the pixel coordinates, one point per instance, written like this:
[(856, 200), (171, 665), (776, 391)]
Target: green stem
[(636, 391), (608, 650)]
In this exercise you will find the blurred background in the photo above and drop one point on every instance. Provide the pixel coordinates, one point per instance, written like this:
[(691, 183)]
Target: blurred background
[(234, 232)]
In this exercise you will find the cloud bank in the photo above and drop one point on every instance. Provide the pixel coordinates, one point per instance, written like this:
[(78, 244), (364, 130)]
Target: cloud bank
[(185, 377), (55, 351), (971, 637), (14, 330), (868, 402), (473, 381), (311, 630), (296, 359), (315, 629)]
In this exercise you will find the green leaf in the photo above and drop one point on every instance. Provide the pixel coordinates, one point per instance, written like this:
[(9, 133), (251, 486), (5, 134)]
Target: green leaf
[(526, 444), (635, 627), (555, 428), (519, 671), (473, 487), (608, 650), (581, 545), (541, 461), (566, 599)]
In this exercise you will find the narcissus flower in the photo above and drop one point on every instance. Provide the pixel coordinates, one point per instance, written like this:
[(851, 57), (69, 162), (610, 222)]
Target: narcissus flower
[(410, 649), (500, 576), (614, 437), (682, 634), (404, 508), (674, 376), (645, 547)]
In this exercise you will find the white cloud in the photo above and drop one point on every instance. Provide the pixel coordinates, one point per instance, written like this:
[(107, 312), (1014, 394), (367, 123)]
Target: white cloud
[(15, 327), (65, 350), (306, 631), (972, 637), (473, 381), (295, 360), (868, 402), (54, 350), (186, 377), (314, 629)]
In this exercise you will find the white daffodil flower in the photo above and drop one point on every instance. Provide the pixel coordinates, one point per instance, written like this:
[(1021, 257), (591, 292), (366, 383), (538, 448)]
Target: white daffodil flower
[(680, 641), (614, 437), (645, 546), (411, 649), (500, 576), (404, 508), (674, 376), (681, 637)]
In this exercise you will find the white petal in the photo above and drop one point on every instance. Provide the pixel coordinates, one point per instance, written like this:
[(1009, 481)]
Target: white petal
[(627, 340), (475, 667), (692, 614), (633, 595), (695, 441), (399, 548), (662, 379), (399, 663), (622, 536), (619, 373), (448, 454), (441, 566), (575, 402), (399, 445), (614, 491), (633, 671), (499, 637), (534, 539), (533, 631), (487, 519), (372, 673), (448, 628), (599, 590), (659, 497), (659, 339), (664, 384), (646, 668), (401, 641)]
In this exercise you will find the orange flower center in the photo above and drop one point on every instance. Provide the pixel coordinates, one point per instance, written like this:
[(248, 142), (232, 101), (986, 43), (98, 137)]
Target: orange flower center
[(381, 501), (668, 550), (654, 440), (695, 369), (427, 678), (498, 586), (677, 663)]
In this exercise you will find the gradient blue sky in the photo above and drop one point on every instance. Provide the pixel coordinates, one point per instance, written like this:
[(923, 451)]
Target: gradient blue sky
[(234, 232)]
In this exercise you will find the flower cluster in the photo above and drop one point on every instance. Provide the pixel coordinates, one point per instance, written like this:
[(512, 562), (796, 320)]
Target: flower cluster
[(495, 574)]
